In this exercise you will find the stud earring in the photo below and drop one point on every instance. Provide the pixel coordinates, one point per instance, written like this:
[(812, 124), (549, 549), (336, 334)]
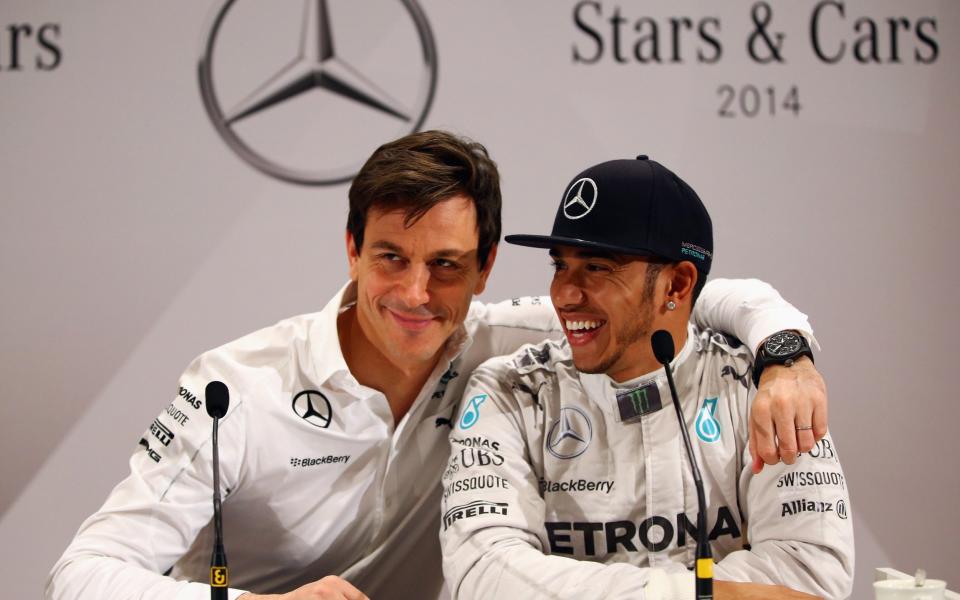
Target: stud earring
[(671, 305)]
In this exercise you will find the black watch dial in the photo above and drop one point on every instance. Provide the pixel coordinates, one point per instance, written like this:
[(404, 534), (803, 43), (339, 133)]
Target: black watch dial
[(783, 343)]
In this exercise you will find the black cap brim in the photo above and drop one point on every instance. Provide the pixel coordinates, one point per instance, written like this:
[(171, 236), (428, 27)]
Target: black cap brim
[(549, 241)]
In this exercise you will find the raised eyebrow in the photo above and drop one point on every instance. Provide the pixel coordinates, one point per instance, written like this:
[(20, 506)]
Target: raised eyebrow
[(453, 253), (385, 245)]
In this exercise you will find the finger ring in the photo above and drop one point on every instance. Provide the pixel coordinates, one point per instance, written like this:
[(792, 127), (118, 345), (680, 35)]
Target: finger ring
[(806, 428)]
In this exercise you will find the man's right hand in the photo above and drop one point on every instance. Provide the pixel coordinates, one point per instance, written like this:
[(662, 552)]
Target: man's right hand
[(731, 590), (330, 587)]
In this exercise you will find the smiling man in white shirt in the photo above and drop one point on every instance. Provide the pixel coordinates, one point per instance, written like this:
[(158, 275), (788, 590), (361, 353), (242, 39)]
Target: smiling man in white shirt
[(336, 436)]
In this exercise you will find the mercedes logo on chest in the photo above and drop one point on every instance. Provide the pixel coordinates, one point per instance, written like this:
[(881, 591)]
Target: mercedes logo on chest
[(313, 407), (570, 434), (580, 198), (304, 90)]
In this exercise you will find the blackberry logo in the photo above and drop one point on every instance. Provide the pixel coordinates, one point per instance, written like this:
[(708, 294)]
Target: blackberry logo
[(319, 460)]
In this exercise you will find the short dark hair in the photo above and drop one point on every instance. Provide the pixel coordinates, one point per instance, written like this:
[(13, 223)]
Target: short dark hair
[(420, 170)]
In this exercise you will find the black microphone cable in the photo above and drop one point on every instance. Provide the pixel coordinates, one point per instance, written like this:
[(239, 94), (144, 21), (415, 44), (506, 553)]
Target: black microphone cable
[(663, 350)]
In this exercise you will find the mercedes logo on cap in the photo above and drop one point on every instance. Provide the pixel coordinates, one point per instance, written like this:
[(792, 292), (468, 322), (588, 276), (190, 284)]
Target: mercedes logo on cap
[(313, 407), (304, 91), (580, 198), (570, 435)]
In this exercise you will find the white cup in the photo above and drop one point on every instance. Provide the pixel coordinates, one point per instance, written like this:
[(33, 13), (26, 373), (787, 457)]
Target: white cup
[(906, 589)]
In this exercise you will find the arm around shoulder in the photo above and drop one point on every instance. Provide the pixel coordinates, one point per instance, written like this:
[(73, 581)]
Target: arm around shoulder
[(750, 309)]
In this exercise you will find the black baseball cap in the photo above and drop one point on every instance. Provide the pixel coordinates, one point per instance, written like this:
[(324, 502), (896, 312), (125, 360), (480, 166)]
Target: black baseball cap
[(634, 207)]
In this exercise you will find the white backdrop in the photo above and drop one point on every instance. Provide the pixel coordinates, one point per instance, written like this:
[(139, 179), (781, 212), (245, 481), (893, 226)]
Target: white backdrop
[(132, 237)]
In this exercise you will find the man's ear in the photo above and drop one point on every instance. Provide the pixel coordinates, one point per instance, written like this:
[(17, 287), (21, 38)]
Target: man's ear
[(485, 272), (353, 256), (681, 282)]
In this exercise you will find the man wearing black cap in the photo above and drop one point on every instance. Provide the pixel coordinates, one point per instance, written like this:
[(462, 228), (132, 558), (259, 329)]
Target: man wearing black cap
[(572, 450)]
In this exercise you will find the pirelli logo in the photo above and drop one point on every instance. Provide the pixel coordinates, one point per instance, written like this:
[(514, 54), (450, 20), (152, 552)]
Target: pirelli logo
[(473, 509), (218, 577), (161, 432)]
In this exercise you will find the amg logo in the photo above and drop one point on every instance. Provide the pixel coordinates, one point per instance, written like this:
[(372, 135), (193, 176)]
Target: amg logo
[(795, 507), (150, 452), (160, 431), (473, 509)]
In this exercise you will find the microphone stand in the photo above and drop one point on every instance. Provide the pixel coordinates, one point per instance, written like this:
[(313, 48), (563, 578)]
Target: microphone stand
[(663, 350)]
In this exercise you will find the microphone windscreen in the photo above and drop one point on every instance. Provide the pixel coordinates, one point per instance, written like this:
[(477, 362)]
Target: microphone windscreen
[(217, 399), (662, 343)]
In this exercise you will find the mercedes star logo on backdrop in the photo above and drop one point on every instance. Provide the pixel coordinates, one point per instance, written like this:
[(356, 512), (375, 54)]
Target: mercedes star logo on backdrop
[(580, 199), (313, 407), (305, 91)]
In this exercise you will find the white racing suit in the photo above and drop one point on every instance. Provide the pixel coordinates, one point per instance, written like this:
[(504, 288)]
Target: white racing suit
[(316, 476), (566, 485)]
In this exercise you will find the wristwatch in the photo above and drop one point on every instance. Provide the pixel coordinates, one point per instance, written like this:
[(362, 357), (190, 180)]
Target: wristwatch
[(781, 348)]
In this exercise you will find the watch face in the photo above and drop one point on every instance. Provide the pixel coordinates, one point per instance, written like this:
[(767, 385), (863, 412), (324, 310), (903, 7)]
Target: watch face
[(783, 343)]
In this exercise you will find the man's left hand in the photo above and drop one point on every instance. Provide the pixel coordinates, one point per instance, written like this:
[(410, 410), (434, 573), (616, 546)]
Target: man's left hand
[(788, 400)]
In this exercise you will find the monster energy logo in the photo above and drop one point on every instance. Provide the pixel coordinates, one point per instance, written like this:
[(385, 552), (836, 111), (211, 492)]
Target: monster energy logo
[(638, 402)]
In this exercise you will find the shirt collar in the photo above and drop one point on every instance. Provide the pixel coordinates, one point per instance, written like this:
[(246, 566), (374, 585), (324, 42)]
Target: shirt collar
[(604, 389), (325, 352)]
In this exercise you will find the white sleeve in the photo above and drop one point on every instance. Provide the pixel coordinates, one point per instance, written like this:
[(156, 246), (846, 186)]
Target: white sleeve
[(492, 513), (750, 309), (153, 516), (798, 526), (512, 323)]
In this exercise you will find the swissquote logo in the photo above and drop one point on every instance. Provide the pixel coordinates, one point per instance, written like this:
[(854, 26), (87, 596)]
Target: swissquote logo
[(316, 92)]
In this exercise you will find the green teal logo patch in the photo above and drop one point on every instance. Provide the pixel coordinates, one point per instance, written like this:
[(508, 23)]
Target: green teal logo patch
[(708, 428), (471, 414)]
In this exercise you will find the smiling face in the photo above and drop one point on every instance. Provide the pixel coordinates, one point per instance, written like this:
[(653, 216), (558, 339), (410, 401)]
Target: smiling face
[(607, 306), (415, 280)]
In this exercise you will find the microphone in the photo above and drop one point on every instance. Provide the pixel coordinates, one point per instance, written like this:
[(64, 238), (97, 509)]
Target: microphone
[(217, 402), (663, 350)]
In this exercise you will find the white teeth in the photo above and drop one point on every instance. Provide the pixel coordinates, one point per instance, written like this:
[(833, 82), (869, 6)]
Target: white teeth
[(578, 325)]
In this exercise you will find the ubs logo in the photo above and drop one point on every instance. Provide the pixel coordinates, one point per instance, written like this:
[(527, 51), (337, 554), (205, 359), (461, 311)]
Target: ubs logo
[(303, 92), (313, 407)]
